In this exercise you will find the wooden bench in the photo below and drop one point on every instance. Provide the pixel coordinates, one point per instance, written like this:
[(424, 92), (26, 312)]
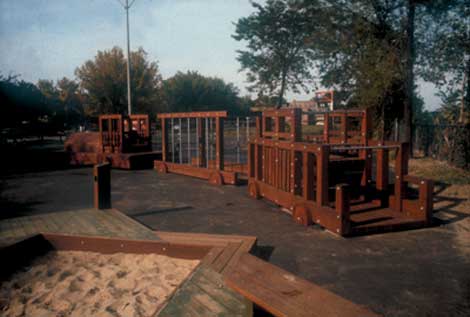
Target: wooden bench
[(284, 294)]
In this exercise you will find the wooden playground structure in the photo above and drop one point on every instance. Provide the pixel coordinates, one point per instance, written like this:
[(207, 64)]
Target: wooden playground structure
[(124, 141), (339, 179), (228, 280), (201, 152)]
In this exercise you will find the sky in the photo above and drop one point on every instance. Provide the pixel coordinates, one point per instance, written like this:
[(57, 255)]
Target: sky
[(49, 39)]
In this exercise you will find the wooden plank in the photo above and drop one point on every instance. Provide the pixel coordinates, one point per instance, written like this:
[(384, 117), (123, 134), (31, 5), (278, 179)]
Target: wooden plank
[(224, 258), (204, 294), (283, 294), (196, 114)]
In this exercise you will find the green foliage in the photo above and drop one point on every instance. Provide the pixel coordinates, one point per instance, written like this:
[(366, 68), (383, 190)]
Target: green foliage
[(277, 56), (191, 91), (104, 82), (65, 102), (22, 103), (444, 44)]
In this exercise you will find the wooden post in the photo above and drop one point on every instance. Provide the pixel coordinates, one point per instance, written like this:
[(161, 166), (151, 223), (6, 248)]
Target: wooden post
[(365, 127), (219, 143), (307, 175), (164, 140), (258, 162), (382, 176), (201, 160), (102, 186), (326, 128), (277, 127), (344, 128), (401, 169), (426, 192), (382, 169), (259, 128), (251, 160), (342, 208), (297, 124), (323, 154), (100, 123)]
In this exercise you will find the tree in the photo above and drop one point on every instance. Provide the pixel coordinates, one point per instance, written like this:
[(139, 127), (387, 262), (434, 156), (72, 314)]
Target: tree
[(191, 91), (360, 52), (103, 81), (277, 56), (22, 103), (71, 100), (445, 51)]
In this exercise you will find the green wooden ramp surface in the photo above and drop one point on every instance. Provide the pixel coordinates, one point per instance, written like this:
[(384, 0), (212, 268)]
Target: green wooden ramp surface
[(90, 222), (205, 294)]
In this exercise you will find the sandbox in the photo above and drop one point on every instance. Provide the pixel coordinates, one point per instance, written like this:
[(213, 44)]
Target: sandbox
[(77, 283), (53, 275)]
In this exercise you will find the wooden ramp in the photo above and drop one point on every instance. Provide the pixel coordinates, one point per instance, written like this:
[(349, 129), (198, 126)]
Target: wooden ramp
[(284, 294), (88, 222)]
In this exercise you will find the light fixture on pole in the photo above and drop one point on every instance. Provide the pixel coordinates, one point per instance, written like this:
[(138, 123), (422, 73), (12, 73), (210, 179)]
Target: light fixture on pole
[(127, 6)]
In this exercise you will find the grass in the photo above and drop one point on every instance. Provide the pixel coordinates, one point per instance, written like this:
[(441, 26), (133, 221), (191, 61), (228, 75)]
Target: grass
[(439, 171)]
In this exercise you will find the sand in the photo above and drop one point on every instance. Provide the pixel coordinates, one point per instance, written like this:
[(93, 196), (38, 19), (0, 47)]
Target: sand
[(72, 283)]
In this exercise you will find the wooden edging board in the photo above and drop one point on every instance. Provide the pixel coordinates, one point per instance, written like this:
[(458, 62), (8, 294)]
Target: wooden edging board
[(284, 294)]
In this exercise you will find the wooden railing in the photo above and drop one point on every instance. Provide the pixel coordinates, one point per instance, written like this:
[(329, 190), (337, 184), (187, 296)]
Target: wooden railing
[(316, 182)]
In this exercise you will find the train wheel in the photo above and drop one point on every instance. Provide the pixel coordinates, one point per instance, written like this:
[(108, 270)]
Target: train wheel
[(216, 179), (253, 190), (302, 215)]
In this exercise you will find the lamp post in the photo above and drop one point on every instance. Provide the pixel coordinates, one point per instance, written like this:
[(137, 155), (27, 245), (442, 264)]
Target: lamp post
[(127, 6)]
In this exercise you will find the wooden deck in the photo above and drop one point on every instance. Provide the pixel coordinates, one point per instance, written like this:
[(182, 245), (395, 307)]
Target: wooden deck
[(225, 252), (204, 293), (87, 222), (226, 282)]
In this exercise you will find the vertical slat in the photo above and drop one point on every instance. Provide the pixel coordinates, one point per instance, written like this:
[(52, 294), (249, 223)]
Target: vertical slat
[(322, 174), (326, 128), (100, 123), (342, 208), (201, 142), (400, 171), (180, 141), (248, 128), (219, 145), (259, 159), (307, 175), (238, 139), (172, 140), (366, 127), (382, 169), (251, 160), (426, 191), (164, 140), (189, 140), (206, 125), (344, 128)]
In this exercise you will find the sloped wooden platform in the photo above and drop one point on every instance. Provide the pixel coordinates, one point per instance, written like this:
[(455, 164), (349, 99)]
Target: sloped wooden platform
[(88, 222), (203, 294)]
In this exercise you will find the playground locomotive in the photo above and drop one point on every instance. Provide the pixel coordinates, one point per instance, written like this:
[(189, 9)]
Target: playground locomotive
[(339, 178)]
